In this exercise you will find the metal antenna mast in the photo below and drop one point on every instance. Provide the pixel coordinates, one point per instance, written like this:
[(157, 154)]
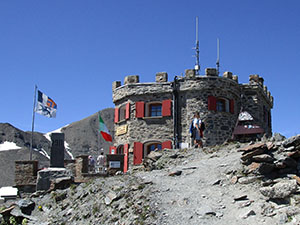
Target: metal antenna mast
[(197, 66), (218, 56)]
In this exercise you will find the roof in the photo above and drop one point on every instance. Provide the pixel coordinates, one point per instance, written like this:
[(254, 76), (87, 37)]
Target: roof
[(245, 116)]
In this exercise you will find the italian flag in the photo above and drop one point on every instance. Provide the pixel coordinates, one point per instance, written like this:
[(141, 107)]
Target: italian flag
[(103, 130)]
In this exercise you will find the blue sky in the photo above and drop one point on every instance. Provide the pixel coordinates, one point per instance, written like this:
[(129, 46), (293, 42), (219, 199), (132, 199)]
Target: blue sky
[(73, 50)]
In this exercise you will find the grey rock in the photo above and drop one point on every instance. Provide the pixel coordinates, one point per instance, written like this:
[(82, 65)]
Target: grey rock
[(217, 182), (154, 155), (47, 176), (277, 137), (263, 158), (283, 218), (110, 196), (292, 141), (175, 173), (26, 206), (290, 149), (248, 180), (241, 198), (250, 213), (245, 204), (249, 155), (280, 190)]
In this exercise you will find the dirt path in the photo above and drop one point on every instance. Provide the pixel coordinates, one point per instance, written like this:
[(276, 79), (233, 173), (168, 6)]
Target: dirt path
[(205, 194)]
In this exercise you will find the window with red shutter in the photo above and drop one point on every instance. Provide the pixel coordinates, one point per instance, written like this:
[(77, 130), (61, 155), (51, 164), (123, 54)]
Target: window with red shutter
[(166, 107), (139, 109), (137, 153), (116, 114), (127, 113), (212, 103), (126, 150), (231, 106)]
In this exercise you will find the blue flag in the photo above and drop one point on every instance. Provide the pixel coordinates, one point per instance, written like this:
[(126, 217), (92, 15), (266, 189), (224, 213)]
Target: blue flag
[(45, 105)]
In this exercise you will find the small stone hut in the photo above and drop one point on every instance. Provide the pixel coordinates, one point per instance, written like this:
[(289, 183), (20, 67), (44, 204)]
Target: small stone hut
[(157, 115)]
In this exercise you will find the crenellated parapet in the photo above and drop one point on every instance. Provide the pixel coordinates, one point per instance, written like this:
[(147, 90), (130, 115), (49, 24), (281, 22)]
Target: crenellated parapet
[(256, 82)]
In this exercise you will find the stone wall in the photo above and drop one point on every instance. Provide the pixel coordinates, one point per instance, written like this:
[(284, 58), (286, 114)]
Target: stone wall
[(81, 165), (147, 128), (194, 98), (26, 172)]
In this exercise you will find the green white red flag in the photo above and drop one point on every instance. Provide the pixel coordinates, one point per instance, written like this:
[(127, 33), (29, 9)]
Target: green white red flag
[(103, 130)]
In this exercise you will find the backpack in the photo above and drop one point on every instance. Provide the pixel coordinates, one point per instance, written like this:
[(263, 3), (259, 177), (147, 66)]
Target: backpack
[(192, 130), (202, 126)]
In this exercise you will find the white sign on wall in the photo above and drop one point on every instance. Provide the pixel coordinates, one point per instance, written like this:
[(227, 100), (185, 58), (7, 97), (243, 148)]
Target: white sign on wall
[(114, 164)]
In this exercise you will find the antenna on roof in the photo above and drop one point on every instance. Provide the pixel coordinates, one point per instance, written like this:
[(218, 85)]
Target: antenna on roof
[(218, 56), (197, 66)]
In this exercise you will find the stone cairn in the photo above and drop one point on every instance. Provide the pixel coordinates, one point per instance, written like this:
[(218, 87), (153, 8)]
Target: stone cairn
[(276, 162)]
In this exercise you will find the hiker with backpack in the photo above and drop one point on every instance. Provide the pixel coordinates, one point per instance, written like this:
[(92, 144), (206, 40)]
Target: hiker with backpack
[(197, 133)]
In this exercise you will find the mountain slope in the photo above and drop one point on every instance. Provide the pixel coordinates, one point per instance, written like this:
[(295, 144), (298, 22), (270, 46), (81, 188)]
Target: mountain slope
[(82, 137)]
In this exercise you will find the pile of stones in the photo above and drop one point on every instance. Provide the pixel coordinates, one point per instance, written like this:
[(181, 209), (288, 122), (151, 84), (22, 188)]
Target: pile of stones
[(276, 162)]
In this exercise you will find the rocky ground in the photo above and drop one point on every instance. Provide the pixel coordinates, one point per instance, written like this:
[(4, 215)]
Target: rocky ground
[(253, 183)]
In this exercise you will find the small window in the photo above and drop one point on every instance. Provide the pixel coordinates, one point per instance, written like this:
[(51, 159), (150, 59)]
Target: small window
[(152, 147), (122, 112), (155, 110), (120, 150), (221, 105)]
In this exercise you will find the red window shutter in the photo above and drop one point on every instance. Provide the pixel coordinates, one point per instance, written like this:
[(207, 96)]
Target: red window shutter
[(112, 150), (127, 113), (137, 153), (212, 103), (231, 106), (139, 109), (167, 144), (126, 150), (116, 115), (166, 107)]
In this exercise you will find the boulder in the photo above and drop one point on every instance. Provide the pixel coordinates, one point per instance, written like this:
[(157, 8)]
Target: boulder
[(150, 161), (110, 197), (261, 168), (277, 137), (47, 176), (153, 155), (293, 141), (252, 147), (280, 190), (248, 180), (26, 206), (263, 158), (175, 173), (294, 155), (249, 155)]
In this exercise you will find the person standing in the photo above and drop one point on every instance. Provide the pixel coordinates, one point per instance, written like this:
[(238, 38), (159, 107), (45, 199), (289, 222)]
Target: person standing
[(101, 162), (91, 164), (196, 129)]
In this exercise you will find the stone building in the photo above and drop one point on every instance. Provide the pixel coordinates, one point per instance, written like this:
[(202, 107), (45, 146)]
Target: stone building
[(157, 115)]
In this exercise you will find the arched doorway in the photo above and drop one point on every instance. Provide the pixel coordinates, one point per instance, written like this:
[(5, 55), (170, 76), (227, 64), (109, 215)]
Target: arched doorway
[(151, 146)]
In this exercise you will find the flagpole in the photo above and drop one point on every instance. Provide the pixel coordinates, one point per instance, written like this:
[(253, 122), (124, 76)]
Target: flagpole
[(33, 117), (98, 132)]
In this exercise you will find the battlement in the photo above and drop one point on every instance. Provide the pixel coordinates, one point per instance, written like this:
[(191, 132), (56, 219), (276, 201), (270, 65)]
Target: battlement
[(190, 81), (257, 82)]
